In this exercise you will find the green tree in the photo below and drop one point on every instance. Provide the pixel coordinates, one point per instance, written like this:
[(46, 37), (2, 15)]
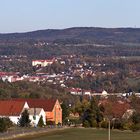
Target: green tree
[(135, 122), (5, 123), (93, 114), (24, 121), (81, 107), (8, 122), (65, 111), (41, 122), (136, 118)]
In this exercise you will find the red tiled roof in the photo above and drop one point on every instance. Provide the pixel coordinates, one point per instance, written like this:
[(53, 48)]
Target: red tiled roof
[(11, 108), (46, 104), (42, 60), (75, 90), (116, 108)]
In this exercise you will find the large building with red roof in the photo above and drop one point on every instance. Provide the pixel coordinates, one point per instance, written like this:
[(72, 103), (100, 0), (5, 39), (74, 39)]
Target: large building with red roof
[(12, 109), (51, 107), (43, 63)]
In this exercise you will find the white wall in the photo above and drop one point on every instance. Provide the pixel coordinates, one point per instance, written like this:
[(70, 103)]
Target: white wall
[(14, 119), (34, 122)]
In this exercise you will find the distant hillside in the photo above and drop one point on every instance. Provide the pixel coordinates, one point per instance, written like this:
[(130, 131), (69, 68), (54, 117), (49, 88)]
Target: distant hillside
[(79, 40), (79, 34)]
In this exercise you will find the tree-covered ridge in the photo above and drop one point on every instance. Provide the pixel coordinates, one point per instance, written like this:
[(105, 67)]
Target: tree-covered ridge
[(84, 34), (88, 41)]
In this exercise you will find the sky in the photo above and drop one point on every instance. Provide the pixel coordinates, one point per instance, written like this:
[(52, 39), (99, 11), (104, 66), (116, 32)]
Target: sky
[(30, 15)]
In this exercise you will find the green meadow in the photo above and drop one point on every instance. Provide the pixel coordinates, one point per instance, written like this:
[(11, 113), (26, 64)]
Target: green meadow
[(84, 134)]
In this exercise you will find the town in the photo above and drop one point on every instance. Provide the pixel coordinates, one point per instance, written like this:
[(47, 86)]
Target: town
[(69, 70), (74, 84), (78, 75)]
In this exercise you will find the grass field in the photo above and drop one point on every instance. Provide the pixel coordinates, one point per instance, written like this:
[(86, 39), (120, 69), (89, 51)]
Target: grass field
[(84, 134)]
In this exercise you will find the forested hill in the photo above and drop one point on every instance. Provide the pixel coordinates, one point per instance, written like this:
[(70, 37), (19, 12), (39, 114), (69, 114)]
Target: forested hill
[(89, 41), (79, 35)]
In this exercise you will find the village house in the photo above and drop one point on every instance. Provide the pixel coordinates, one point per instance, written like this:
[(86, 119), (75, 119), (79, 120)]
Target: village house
[(10, 76), (43, 63), (87, 92), (75, 91), (51, 107), (12, 79), (50, 110), (12, 109), (116, 108)]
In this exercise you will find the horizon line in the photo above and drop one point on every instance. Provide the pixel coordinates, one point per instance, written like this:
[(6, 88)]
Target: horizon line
[(43, 29)]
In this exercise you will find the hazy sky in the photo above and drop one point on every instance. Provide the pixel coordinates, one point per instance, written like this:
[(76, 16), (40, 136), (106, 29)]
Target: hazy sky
[(28, 15)]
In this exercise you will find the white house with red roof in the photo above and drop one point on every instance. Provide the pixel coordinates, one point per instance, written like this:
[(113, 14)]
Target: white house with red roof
[(12, 109), (51, 107), (75, 91), (43, 63)]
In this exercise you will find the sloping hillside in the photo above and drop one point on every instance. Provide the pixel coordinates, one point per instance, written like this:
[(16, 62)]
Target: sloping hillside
[(79, 40), (83, 34)]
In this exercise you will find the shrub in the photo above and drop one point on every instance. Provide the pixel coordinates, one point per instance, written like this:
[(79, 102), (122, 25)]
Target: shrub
[(59, 124), (50, 123), (104, 124), (93, 123), (126, 125), (86, 124), (3, 125), (75, 122), (136, 118), (117, 124), (135, 127)]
